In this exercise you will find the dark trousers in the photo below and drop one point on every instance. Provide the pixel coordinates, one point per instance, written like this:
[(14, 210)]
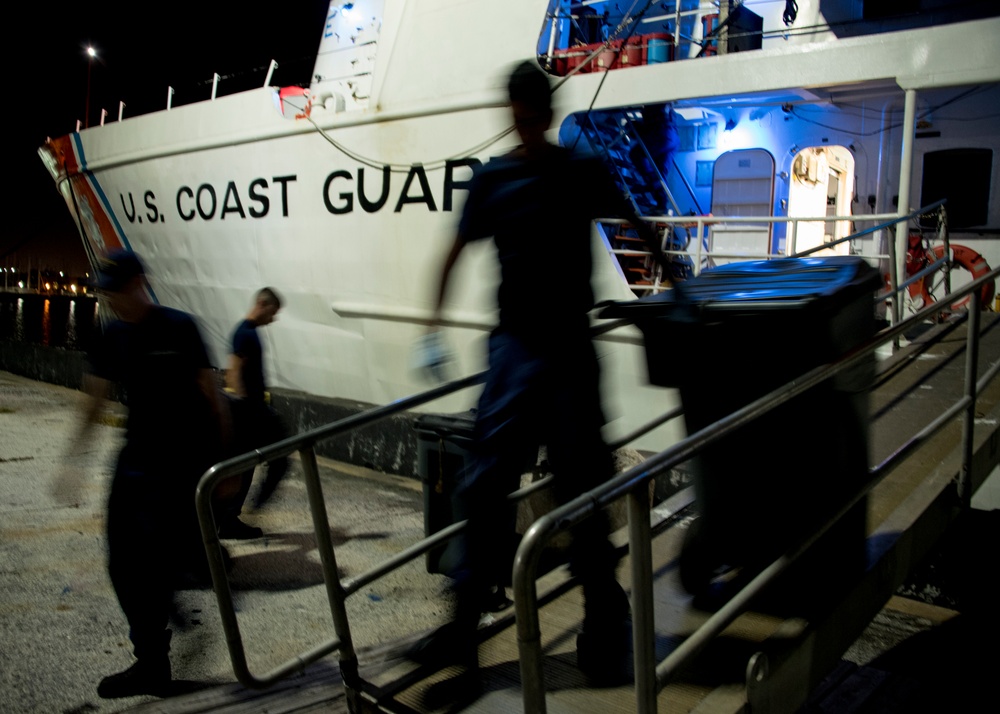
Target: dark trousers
[(255, 425), (153, 536), (537, 392)]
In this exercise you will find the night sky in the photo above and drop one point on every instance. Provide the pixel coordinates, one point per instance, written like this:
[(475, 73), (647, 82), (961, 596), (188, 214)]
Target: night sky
[(143, 48)]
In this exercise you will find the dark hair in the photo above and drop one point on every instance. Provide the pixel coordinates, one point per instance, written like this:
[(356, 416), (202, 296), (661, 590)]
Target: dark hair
[(529, 85), (269, 296)]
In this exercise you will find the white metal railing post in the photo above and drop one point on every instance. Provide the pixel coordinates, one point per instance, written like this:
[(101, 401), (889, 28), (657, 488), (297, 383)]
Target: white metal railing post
[(970, 391), (898, 264), (121, 110), (104, 114), (170, 97), (676, 39), (643, 617), (702, 230), (943, 237), (270, 71), (78, 123), (215, 85), (552, 39)]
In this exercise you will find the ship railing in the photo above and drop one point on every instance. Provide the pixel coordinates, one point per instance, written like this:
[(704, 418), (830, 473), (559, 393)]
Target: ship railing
[(703, 256), (337, 589), (652, 676), (632, 484)]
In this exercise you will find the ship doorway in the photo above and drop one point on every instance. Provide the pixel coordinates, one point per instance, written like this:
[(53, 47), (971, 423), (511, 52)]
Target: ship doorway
[(742, 185), (821, 184)]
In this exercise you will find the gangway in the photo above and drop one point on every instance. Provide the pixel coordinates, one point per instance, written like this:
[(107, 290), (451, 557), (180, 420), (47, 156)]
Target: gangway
[(931, 454)]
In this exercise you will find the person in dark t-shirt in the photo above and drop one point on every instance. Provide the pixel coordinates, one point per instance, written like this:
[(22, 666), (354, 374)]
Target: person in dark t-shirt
[(537, 203), (257, 424), (176, 430)]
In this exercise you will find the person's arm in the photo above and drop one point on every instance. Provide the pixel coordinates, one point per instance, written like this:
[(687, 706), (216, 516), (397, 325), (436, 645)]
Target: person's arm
[(234, 376), (207, 385), (96, 390), (66, 486), (444, 277)]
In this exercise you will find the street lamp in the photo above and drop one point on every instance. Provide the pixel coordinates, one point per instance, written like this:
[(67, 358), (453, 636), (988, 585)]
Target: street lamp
[(91, 54)]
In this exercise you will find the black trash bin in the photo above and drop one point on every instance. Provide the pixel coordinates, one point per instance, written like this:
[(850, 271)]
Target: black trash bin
[(442, 457), (732, 335)]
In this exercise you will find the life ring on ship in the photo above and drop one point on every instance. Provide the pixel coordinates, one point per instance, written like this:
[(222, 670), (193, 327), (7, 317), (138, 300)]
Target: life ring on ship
[(962, 256)]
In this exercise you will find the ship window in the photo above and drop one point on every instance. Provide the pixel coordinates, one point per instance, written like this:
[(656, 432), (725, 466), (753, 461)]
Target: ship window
[(703, 173), (963, 177)]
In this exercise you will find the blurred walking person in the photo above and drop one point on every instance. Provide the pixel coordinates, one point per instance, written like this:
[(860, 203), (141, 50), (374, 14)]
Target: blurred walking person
[(256, 422), (537, 203), (176, 430)]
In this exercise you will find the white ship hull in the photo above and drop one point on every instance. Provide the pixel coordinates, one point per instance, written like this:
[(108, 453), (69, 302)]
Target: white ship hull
[(223, 197)]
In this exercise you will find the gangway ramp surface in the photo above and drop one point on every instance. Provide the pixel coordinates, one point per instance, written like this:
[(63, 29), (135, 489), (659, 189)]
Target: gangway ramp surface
[(909, 511)]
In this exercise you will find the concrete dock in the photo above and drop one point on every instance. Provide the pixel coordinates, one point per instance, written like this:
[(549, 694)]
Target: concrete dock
[(60, 624)]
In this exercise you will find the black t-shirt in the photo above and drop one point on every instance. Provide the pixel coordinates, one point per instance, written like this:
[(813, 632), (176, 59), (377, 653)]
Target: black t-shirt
[(246, 346), (539, 213), (157, 361)]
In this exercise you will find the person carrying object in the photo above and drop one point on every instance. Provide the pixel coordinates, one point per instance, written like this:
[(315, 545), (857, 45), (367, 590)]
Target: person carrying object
[(537, 203)]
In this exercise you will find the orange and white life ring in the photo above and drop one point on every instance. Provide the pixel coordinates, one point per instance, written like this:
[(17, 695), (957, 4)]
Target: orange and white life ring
[(963, 257)]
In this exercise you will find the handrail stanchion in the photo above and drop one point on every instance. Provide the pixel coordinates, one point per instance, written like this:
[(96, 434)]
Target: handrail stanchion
[(894, 291), (898, 266), (970, 391), (643, 618), (217, 568), (529, 636), (335, 592), (701, 229), (943, 237)]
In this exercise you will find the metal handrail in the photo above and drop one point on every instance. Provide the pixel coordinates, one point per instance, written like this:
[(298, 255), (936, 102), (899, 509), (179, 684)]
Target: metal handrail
[(650, 677), (888, 220), (337, 590)]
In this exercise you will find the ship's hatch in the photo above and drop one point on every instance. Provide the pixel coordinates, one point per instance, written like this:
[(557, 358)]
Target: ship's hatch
[(742, 185), (821, 184)]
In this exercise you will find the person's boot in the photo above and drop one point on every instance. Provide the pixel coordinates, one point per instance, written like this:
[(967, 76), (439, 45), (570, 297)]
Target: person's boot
[(275, 474), (149, 675), (146, 676), (234, 528), (455, 643), (604, 648), (604, 655), (448, 645)]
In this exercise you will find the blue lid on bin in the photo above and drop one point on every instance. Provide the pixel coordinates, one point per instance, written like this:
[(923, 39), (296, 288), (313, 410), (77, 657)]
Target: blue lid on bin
[(782, 283)]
